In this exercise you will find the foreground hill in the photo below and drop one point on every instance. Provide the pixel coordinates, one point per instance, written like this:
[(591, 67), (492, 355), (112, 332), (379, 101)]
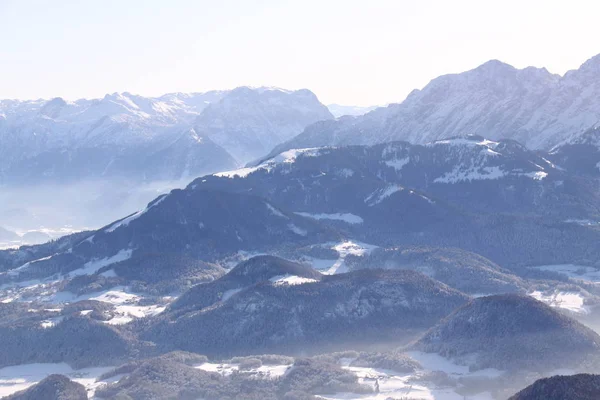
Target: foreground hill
[(497, 199), (52, 337), (205, 225), (576, 387), (512, 332), (361, 307), (54, 387), (460, 269)]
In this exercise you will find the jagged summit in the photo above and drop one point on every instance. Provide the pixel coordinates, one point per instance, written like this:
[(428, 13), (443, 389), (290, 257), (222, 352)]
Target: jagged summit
[(494, 100)]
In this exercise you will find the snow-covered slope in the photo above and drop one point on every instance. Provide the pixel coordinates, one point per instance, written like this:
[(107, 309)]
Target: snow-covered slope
[(120, 135), (175, 136), (495, 100), (248, 123)]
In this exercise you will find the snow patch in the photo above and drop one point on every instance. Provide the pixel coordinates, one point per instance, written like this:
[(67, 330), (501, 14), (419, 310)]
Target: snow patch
[(346, 217), (264, 371), (464, 142), (290, 156), (228, 293), (471, 174), (537, 176), (290, 280), (566, 300), (379, 195), (275, 211), (297, 230), (91, 267), (398, 163), (240, 173), (344, 249), (287, 157), (133, 217)]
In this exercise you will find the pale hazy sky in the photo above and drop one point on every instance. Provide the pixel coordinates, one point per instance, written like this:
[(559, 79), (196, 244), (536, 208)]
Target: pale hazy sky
[(358, 52)]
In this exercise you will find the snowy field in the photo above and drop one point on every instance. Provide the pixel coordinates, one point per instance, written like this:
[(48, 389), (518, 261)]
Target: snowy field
[(344, 249), (569, 301), (264, 371), (391, 384)]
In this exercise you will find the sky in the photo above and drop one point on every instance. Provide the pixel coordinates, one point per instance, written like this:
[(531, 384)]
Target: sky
[(351, 52)]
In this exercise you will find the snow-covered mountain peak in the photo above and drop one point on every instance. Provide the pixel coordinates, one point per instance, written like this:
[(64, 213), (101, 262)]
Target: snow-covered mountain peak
[(177, 131), (531, 105), (495, 67), (249, 123)]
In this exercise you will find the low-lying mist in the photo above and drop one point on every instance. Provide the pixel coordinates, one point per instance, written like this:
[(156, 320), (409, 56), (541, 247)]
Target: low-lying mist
[(59, 209)]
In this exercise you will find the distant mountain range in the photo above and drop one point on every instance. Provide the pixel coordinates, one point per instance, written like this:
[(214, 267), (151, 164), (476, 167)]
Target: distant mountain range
[(526, 335), (175, 136), (339, 110), (532, 106)]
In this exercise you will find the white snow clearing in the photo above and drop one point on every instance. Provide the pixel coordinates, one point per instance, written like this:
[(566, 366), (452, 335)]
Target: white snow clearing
[(239, 173), (567, 300), (126, 304), (471, 174), (126, 221), (464, 142), (337, 266), (264, 371), (345, 217), (393, 385), (91, 267), (379, 195), (480, 173), (229, 293), (16, 271), (275, 211), (287, 157), (290, 280), (297, 230), (397, 163)]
